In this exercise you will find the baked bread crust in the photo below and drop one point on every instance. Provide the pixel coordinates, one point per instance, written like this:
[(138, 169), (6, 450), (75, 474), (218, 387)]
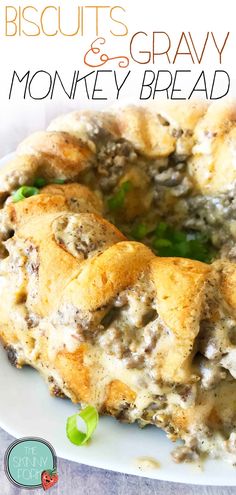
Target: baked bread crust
[(76, 289)]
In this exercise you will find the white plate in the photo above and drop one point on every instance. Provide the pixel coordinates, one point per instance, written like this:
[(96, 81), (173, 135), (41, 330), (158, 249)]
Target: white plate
[(26, 409)]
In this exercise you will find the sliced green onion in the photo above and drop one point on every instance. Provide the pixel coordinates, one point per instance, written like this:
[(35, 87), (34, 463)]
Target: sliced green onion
[(162, 243), (90, 417), (139, 231), (24, 192), (58, 181), (178, 236), (168, 241), (40, 182), (117, 201), (161, 229)]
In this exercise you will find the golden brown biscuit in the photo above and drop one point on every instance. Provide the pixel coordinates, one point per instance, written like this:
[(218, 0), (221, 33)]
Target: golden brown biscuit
[(212, 163)]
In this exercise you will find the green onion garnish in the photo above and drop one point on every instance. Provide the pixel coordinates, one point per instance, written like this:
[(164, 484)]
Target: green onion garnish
[(161, 243), (57, 181), (40, 182), (117, 201), (90, 417), (168, 241), (140, 231), (24, 192), (161, 229)]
